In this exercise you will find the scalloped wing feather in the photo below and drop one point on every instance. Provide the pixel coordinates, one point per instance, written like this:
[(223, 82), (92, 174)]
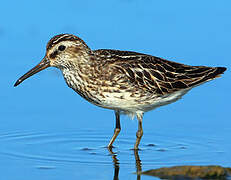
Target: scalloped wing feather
[(158, 75)]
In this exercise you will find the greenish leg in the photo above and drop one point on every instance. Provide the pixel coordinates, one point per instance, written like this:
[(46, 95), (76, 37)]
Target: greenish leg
[(139, 133), (116, 131)]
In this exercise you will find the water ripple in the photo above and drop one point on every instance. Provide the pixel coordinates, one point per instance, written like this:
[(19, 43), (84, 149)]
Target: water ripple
[(88, 147)]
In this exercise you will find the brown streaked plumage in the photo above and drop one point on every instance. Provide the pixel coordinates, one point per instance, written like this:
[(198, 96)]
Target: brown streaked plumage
[(125, 81)]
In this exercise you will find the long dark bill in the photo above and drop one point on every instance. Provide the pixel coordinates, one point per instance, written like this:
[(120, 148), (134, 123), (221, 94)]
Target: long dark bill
[(42, 65)]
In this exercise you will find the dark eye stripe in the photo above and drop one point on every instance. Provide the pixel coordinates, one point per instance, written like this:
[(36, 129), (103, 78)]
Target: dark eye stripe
[(54, 54)]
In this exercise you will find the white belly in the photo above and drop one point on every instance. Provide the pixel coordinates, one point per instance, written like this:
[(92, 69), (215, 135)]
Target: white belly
[(128, 104)]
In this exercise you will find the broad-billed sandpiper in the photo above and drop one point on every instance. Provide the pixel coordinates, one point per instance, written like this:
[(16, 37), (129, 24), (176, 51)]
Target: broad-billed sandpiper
[(127, 82)]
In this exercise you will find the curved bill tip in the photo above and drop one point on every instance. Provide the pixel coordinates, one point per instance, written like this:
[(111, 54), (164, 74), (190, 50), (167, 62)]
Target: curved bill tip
[(17, 82), (42, 65)]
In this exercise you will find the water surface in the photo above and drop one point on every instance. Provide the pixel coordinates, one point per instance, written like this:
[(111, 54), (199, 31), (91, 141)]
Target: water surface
[(83, 154)]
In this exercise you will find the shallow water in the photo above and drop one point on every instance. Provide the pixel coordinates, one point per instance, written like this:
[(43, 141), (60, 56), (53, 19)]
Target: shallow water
[(83, 155)]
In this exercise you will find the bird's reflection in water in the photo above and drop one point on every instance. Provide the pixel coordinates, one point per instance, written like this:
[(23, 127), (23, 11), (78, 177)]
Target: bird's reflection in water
[(117, 167), (138, 164)]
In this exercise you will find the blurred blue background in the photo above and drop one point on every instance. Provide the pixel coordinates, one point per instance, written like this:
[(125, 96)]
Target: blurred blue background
[(191, 32)]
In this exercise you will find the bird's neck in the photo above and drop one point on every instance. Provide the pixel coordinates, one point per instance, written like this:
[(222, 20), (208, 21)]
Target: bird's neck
[(78, 74)]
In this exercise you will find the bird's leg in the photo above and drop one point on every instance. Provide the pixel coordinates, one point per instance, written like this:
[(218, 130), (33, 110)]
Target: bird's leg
[(117, 129), (139, 133)]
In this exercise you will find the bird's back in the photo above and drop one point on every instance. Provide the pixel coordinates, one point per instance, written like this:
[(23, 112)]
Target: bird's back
[(148, 81), (156, 74)]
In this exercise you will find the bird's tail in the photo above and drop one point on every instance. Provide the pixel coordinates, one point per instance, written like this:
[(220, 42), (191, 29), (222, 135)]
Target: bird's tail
[(218, 71), (206, 74)]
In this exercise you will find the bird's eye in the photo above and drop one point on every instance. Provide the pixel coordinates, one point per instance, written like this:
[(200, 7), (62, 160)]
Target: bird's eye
[(61, 48)]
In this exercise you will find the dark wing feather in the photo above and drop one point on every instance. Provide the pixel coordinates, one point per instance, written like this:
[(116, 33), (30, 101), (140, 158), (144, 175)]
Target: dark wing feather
[(158, 75)]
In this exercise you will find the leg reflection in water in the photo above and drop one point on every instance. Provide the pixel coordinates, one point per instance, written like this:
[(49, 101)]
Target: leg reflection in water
[(116, 164), (138, 164), (117, 167)]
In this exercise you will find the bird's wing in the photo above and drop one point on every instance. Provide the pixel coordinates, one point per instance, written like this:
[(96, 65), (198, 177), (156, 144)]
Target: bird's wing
[(158, 75)]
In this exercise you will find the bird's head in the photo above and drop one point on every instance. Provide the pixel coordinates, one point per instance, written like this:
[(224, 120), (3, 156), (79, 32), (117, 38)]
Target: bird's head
[(62, 51)]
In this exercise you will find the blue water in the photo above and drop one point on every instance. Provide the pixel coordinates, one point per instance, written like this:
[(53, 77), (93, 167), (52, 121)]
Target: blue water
[(49, 132)]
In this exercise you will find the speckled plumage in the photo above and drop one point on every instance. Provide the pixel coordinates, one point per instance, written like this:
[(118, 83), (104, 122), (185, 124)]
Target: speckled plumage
[(125, 81)]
